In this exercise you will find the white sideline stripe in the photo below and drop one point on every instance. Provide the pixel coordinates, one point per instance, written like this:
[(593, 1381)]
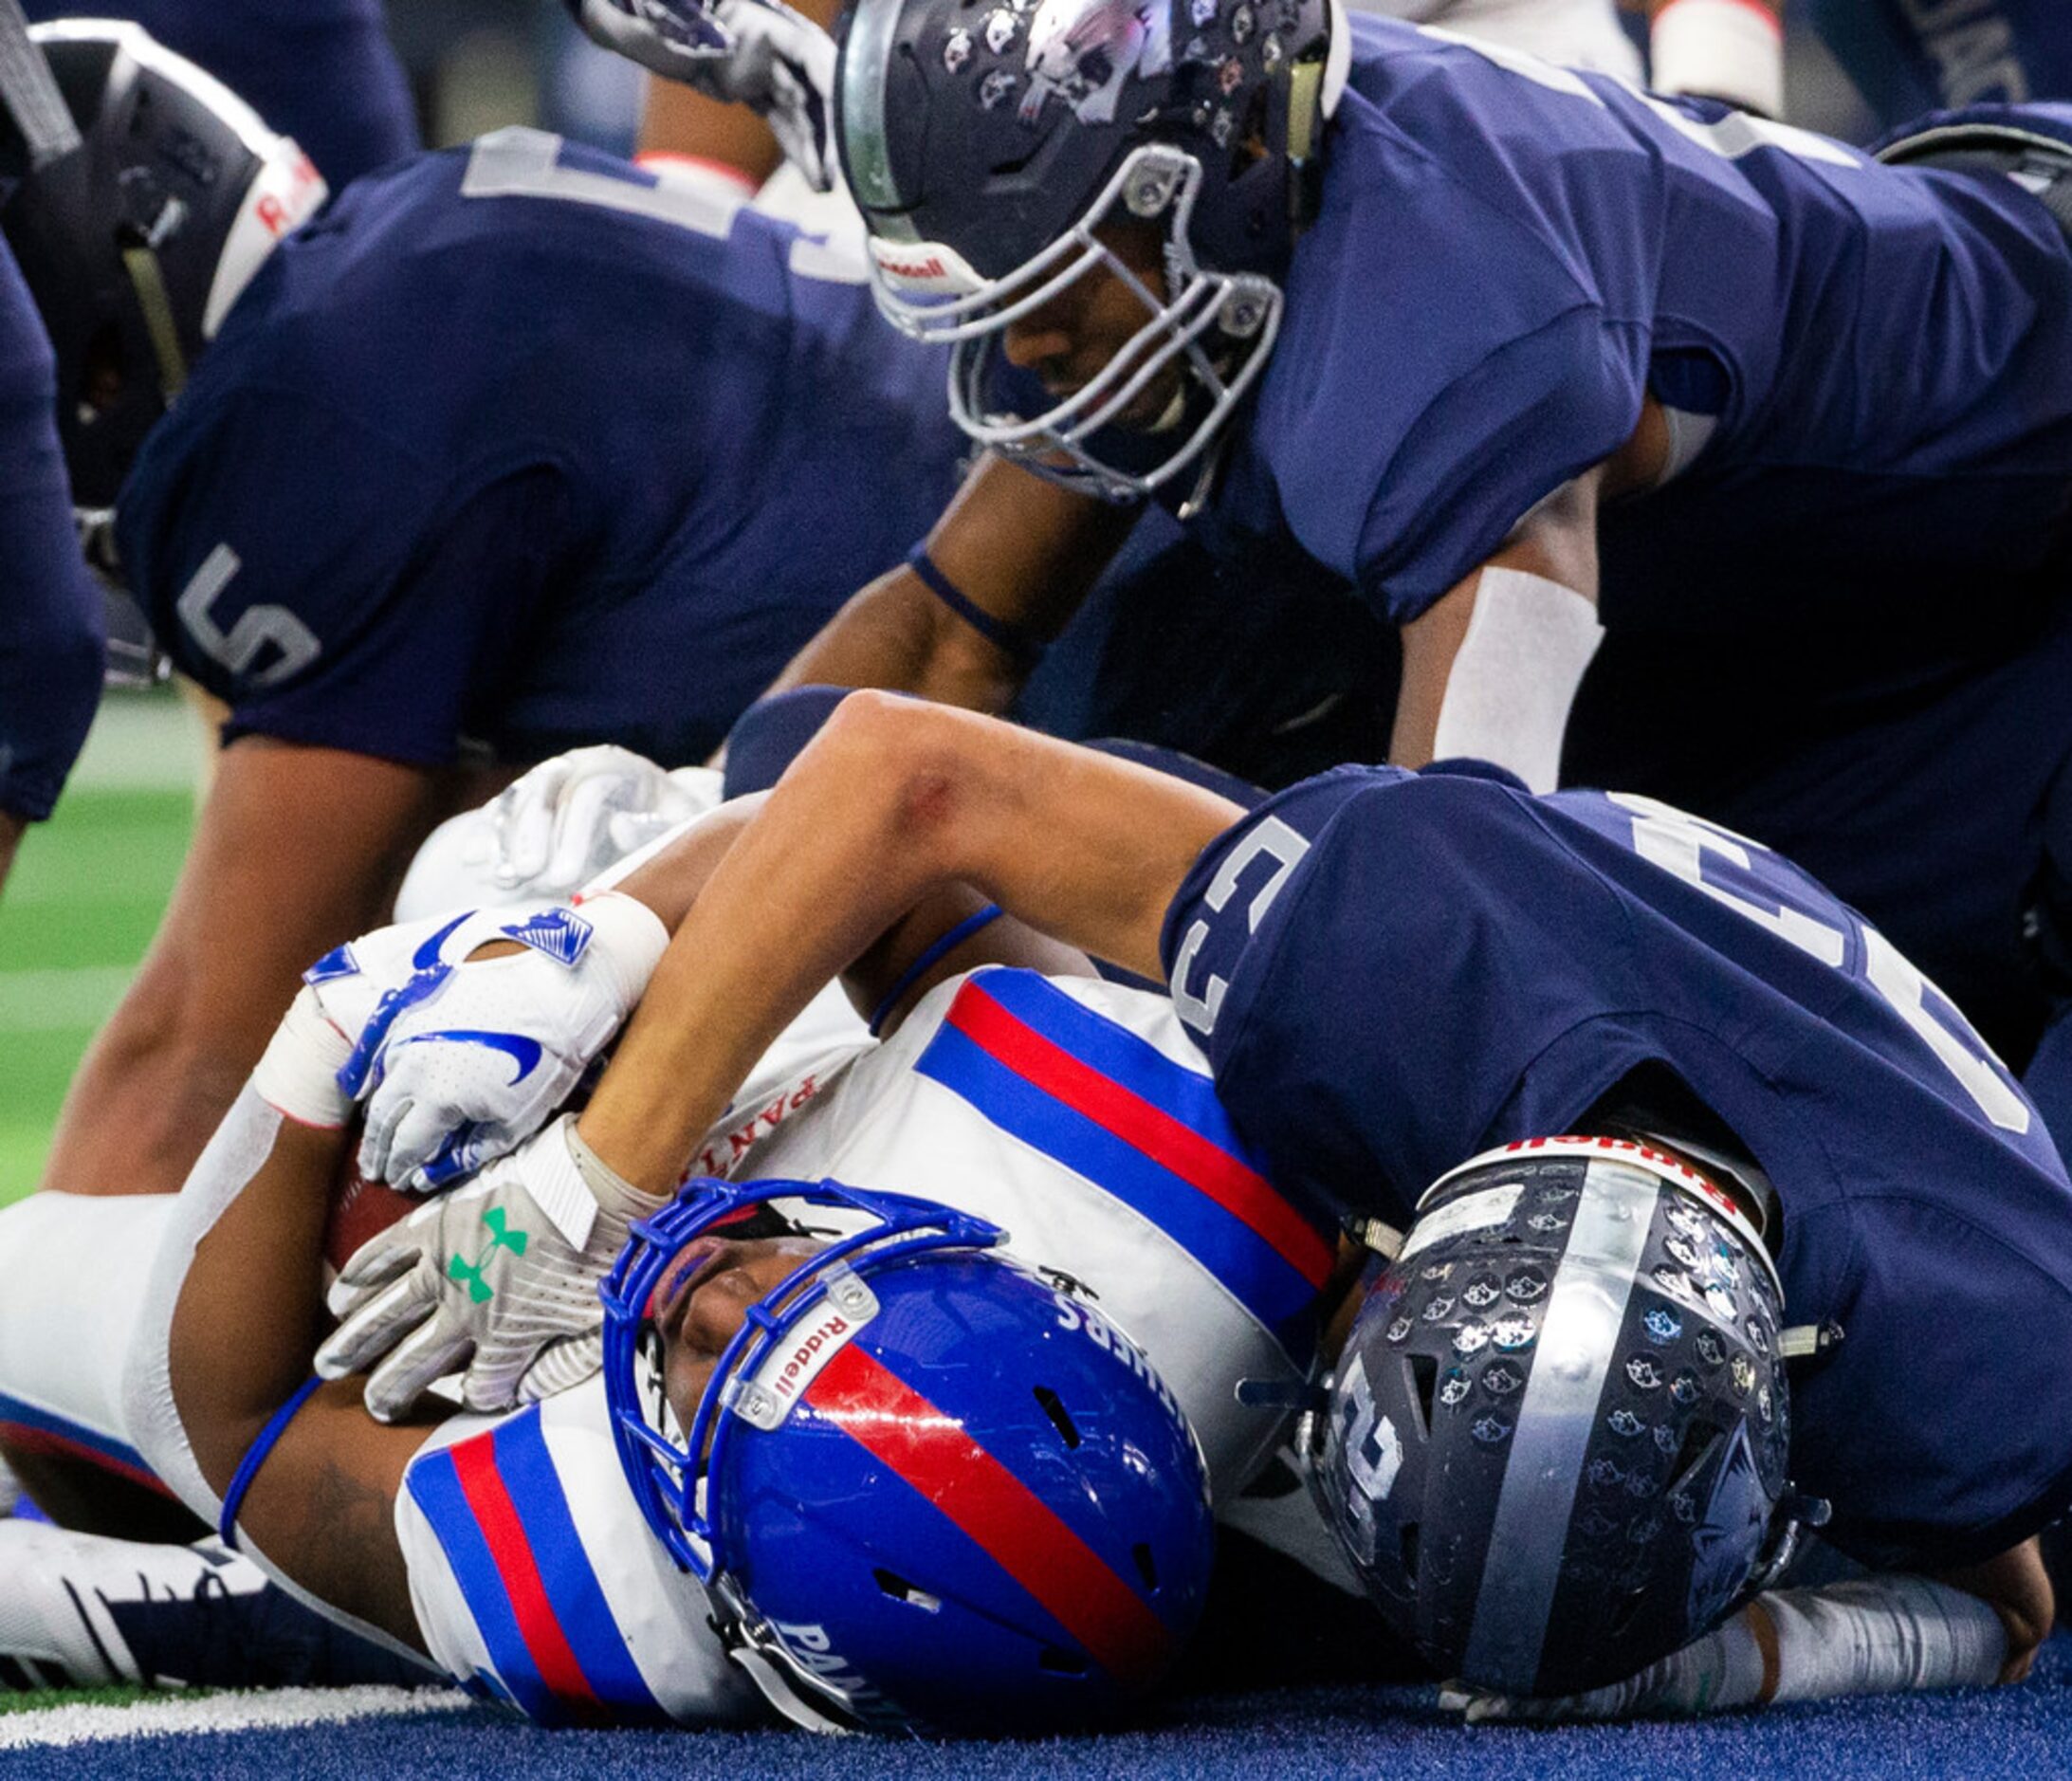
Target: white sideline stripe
[(285, 1709), (53, 1000)]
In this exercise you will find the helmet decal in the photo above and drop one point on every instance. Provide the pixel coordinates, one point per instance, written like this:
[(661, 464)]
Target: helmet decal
[(1083, 52), (1593, 1463)]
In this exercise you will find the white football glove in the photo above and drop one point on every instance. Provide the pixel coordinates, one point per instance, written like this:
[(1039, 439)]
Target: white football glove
[(499, 1276), (462, 1062), (301, 1071), (557, 826), (757, 53)]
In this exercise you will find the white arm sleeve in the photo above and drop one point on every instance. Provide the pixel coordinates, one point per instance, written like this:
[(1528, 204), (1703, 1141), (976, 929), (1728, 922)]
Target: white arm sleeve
[(1515, 676), (241, 1144), (1882, 1635)]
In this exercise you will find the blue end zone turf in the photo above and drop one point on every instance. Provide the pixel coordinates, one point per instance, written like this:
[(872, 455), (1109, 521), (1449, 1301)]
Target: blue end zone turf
[(2020, 1733)]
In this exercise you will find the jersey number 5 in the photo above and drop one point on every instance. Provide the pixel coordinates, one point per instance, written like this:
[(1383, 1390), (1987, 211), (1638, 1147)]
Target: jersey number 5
[(255, 629), (1679, 842)]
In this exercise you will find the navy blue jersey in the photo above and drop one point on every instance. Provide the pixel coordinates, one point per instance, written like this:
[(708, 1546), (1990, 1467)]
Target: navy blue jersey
[(1391, 972), (321, 71), (1510, 257), (517, 445), (1909, 56), (51, 639)]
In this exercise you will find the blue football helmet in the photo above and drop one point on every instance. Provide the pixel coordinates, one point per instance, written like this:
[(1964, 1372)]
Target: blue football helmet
[(1554, 1446), (136, 239), (921, 1498), (987, 149)]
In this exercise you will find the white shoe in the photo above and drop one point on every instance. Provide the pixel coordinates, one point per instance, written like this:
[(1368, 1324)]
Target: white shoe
[(80, 1610)]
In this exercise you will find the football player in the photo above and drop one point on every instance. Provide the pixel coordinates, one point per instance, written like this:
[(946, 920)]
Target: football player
[(517, 447), (1666, 433), (322, 71), (1072, 1108), (1389, 973), (132, 259)]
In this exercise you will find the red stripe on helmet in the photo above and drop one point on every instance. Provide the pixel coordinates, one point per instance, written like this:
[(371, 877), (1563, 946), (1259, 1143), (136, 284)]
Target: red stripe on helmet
[(1240, 1190), (929, 1449), (503, 1533)]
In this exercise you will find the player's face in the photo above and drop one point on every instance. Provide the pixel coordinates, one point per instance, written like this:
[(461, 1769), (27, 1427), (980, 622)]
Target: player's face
[(703, 1300), (1070, 339)]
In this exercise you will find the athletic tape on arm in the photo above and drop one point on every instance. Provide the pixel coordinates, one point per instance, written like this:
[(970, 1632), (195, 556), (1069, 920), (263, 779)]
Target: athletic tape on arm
[(1512, 685)]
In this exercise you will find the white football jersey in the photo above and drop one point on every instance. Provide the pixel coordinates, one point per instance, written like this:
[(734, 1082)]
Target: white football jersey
[(1073, 1113)]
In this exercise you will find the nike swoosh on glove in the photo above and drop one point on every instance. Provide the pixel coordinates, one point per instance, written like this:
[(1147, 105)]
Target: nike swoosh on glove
[(498, 1276), (757, 53), (462, 1062)]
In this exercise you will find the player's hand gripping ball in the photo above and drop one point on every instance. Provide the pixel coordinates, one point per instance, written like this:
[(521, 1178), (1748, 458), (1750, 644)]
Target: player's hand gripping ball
[(460, 1061), (498, 1278)]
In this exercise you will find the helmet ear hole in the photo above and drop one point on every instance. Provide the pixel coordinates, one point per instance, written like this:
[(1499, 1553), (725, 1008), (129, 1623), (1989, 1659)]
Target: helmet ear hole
[(1424, 1388), (1696, 1448), (1054, 1407), (901, 1590), (1629, 1611), (1061, 1662), (1408, 1542), (1146, 1566)]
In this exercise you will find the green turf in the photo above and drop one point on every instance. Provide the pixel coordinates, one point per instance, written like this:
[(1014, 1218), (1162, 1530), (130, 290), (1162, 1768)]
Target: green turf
[(36, 1699), (75, 917)]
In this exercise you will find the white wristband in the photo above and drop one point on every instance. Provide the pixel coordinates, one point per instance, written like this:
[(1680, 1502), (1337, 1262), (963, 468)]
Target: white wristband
[(298, 1074), (629, 944), (1730, 49)]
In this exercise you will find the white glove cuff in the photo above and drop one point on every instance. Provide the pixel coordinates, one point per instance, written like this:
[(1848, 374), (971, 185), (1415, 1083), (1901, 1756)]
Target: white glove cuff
[(627, 944), (1730, 49), (298, 1076), (615, 1196)]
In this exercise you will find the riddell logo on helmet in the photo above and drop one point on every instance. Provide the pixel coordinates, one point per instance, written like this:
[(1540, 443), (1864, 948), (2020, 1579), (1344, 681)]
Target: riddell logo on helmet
[(809, 1354), (927, 268)]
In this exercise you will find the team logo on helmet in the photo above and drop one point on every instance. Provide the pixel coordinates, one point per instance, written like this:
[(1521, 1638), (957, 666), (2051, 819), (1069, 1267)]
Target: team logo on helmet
[(1084, 52)]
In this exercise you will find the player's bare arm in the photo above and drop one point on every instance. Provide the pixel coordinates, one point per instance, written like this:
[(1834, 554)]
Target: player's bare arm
[(892, 802), (1022, 551), (295, 850), (1491, 668), (1508, 701), (322, 1506), (11, 839)]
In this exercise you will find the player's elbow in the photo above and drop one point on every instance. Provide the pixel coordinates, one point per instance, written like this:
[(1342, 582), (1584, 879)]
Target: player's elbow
[(903, 753)]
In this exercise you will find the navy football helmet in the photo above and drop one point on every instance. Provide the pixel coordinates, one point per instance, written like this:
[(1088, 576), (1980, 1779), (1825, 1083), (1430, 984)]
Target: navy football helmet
[(1554, 1446), (917, 1494), (987, 149), (137, 241)]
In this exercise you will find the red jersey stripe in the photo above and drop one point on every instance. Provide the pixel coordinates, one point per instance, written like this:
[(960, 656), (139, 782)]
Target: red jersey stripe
[(1239, 1189), (474, 1464)]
